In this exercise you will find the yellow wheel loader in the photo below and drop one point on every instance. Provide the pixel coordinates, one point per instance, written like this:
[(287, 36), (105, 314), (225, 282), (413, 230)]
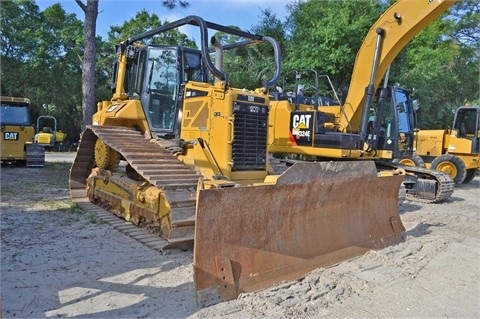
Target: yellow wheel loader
[(181, 152), (18, 133), (372, 123), (455, 151)]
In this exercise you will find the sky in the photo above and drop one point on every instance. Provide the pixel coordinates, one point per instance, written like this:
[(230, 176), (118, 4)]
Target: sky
[(242, 13)]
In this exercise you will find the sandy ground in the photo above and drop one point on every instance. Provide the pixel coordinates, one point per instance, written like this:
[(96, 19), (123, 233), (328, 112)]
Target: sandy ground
[(57, 261)]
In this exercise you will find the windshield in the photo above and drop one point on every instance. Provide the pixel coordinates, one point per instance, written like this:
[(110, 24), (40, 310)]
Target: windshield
[(13, 114), (162, 85), (192, 65), (401, 99), (467, 122), (163, 71)]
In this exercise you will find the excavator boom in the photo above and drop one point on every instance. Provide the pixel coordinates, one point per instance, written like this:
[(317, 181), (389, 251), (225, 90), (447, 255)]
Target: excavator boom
[(396, 26)]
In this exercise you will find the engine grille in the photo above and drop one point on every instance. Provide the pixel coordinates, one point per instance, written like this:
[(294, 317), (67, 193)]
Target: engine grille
[(249, 149)]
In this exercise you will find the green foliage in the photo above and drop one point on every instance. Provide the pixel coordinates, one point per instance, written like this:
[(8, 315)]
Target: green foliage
[(142, 22), (76, 214), (257, 61), (326, 35), (466, 28), (172, 4)]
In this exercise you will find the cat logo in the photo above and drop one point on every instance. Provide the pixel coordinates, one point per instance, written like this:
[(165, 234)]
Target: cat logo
[(300, 125), (10, 136)]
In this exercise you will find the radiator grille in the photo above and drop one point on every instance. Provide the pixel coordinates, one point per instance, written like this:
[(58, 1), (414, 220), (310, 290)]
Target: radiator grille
[(249, 149)]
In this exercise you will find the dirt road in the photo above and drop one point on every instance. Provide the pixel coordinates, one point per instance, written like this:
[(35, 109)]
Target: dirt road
[(57, 261)]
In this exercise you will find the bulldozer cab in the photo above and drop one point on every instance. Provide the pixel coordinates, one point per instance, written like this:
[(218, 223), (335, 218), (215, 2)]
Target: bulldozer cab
[(156, 75), (17, 129), (15, 113)]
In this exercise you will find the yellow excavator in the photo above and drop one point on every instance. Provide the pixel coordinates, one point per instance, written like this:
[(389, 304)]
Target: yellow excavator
[(372, 123), (181, 152)]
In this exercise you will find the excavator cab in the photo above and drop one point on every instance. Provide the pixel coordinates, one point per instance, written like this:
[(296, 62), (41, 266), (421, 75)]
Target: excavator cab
[(314, 128), (391, 122)]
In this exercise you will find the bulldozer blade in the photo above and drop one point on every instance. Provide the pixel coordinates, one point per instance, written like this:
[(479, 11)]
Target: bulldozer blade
[(316, 215)]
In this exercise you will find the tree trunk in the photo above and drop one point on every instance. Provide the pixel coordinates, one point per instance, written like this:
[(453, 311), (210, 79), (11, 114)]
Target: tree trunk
[(89, 59)]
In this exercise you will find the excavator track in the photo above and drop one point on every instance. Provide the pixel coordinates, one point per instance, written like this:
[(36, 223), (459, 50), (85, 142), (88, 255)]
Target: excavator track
[(431, 186), (156, 165)]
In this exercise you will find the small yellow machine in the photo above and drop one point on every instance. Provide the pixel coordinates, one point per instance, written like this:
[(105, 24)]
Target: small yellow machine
[(48, 135), (179, 150), (18, 134), (455, 151)]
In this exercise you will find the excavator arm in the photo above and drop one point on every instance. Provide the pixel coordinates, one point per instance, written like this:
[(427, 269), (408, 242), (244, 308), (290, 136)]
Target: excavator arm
[(395, 28)]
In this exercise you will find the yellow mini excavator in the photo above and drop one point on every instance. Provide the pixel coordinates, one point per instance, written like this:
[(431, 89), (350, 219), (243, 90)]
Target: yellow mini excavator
[(372, 123), (179, 151)]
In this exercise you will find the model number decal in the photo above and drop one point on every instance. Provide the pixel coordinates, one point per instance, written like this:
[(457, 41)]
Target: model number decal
[(301, 127), (12, 136), (254, 108)]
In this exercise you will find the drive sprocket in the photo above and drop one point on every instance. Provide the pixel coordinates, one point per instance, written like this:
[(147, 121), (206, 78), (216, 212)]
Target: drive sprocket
[(106, 157)]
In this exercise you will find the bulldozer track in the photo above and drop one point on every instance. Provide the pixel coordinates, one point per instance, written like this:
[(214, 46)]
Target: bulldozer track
[(155, 164), (445, 185), (142, 235)]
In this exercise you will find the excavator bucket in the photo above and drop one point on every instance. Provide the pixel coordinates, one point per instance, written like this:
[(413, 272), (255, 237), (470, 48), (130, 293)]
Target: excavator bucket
[(316, 215)]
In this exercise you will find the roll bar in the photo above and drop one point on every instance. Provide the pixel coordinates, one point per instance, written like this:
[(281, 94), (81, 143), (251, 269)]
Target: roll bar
[(204, 26)]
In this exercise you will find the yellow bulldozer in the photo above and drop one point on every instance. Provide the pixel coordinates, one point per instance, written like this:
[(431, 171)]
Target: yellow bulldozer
[(454, 151), (373, 122), (18, 133), (181, 152)]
